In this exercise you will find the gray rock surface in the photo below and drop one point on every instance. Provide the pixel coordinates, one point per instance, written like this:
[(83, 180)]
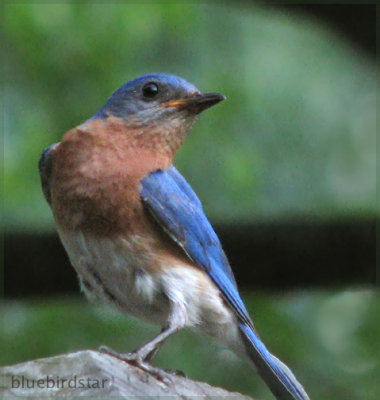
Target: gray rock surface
[(94, 374)]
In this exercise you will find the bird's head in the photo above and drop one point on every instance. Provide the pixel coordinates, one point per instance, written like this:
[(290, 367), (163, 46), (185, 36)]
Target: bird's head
[(158, 99)]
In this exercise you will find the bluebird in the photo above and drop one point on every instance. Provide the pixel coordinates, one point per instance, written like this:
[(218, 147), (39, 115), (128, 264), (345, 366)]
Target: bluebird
[(136, 232)]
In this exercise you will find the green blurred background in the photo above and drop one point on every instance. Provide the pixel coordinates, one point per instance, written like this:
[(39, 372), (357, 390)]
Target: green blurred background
[(294, 141)]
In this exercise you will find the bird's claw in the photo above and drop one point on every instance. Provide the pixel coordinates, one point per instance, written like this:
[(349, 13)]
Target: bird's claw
[(130, 358), (135, 359)]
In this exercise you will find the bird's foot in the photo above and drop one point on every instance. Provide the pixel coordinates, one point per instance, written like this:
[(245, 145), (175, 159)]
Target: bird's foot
[(138, 360)]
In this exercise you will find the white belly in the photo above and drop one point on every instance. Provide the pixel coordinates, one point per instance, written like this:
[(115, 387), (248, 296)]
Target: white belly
[(110, 272)]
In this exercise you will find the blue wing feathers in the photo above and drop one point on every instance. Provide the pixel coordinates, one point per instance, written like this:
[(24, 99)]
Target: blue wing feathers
[(275, 373), (184, 186), (178, 210)]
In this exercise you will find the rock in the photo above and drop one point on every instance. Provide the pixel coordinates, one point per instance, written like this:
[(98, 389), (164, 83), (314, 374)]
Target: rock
[(94, 374)]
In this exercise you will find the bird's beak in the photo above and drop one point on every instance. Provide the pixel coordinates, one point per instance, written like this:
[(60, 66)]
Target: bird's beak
[(197, 103)]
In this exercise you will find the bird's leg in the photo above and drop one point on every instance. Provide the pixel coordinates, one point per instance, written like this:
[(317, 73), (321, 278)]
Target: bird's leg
[(150, 356), (142, 356)]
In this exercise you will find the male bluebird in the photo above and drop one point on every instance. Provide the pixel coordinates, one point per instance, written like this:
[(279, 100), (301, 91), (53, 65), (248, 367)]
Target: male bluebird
[(135, 231)]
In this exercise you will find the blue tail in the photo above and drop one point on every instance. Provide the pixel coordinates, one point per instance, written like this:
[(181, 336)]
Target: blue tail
[(275, 373)]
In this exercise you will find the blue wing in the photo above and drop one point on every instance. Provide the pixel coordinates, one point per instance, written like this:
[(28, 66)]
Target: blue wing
[(178, 210)]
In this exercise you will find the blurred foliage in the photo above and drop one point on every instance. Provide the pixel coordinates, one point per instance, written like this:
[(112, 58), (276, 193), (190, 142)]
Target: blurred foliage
[(330, 340), (295, 138)]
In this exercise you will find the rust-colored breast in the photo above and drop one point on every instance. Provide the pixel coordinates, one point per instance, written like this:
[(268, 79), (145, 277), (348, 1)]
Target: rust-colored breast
[(96, 173)]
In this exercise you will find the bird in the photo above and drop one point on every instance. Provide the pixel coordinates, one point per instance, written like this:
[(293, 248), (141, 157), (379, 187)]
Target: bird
[(135, 231)]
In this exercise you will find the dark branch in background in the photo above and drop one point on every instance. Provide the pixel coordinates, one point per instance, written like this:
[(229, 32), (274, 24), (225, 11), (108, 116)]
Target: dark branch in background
[(355, 22), (262, 256)]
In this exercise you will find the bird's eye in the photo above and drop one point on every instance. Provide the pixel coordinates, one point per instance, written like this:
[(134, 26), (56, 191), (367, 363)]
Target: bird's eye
[(150, 90)]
